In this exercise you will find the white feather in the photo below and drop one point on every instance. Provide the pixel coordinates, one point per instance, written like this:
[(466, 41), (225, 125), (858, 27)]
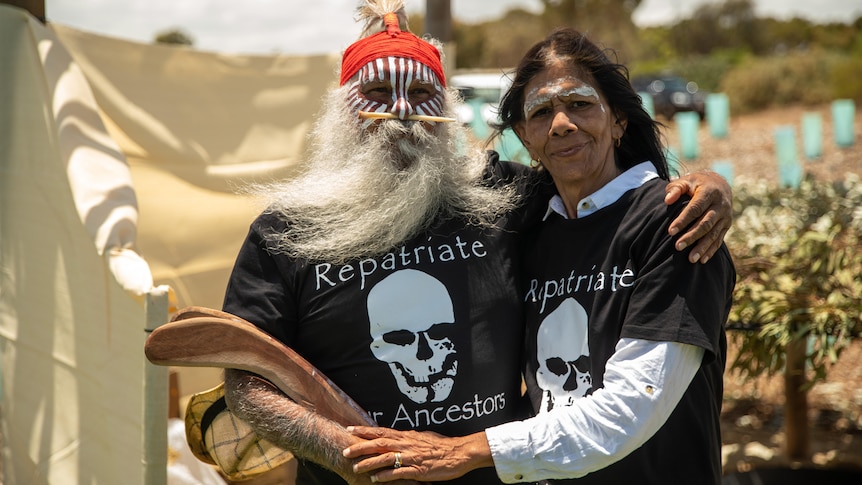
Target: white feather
[(371, 13)]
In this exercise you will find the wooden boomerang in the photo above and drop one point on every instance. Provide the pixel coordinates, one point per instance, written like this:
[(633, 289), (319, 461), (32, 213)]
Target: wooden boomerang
[(203, 337)]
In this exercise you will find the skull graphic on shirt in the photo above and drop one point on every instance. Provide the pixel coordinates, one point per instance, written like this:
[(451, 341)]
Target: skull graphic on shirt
[(411, 319), (563, 355)]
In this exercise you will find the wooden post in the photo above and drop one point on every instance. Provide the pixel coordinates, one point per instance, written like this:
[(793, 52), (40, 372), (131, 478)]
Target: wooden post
[(35, 7), (438, 24), (438, 20), (795, 401)]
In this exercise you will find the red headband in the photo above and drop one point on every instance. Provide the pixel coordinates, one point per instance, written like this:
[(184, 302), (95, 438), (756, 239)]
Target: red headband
[(390, 44)]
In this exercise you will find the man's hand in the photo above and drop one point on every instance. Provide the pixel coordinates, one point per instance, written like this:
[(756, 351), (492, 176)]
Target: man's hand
[(423, 456), (710, 208)]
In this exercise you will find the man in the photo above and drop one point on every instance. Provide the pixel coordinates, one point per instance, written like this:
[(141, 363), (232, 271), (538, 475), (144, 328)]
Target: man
[(390, 264)]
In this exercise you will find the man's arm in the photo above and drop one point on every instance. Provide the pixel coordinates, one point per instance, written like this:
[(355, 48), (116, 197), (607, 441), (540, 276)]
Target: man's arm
[(710, 209), (288, 425)]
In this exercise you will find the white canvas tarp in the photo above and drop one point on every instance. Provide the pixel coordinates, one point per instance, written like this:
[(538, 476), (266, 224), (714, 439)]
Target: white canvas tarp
[(194, 127), (119, 164)]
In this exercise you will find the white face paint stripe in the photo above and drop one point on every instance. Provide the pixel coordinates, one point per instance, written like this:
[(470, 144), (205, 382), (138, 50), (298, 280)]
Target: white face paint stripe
[(396, 68), (401, 104), (353, 94), (356, 105), (435, 104), (555, 89), (379, 68), (409, 76), (427, 74)]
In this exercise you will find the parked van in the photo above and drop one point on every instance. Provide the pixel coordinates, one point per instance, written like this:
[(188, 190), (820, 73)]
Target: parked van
[(481, 92)]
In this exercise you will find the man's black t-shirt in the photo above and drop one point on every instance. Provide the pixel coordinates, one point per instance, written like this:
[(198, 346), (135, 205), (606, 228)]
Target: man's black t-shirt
[(427, 336)]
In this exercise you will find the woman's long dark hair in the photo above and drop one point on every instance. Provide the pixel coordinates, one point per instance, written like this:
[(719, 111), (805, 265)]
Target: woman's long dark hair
[(642, 138)]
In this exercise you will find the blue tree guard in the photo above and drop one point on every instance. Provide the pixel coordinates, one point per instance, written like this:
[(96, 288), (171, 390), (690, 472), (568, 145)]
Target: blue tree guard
[(509, 146), (480, 128), (687, 123), (725, 169), (812, 135), (718, 114), (789, 168), (843, 117), (648, 103)]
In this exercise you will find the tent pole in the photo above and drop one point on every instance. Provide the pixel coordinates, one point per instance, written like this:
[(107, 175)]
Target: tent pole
[(155, 409)]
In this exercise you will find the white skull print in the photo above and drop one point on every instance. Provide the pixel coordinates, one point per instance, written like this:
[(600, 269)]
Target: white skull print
[(411, 317), (563, 355)]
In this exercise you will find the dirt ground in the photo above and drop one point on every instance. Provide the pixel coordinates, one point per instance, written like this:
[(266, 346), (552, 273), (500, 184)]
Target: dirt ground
[(749, 145), (752, 412)]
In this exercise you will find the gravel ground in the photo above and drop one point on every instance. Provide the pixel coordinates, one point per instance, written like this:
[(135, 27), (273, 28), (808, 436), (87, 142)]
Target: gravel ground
[(752, 413)]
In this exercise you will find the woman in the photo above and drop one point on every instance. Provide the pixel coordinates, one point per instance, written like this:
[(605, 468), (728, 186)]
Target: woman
[(625, 338)]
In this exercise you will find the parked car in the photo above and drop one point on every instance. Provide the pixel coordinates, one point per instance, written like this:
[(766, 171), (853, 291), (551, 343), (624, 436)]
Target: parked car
[(672, 94)]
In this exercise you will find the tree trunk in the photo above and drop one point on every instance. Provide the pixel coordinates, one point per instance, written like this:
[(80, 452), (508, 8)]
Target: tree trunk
[(796, 402), (438, 20)]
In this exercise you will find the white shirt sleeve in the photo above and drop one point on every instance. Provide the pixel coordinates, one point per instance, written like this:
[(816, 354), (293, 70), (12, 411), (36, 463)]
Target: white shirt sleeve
[(644, 381)]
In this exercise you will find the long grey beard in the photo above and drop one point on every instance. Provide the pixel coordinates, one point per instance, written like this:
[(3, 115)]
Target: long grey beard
[(366, 193)]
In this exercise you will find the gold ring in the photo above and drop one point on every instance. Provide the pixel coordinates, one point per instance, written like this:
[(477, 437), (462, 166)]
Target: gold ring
[(397, 460)]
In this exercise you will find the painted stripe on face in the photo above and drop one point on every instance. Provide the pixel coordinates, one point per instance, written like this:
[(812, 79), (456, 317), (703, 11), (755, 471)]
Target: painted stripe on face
[(357, 102), (555, 89), (401, 74), (401, 83)]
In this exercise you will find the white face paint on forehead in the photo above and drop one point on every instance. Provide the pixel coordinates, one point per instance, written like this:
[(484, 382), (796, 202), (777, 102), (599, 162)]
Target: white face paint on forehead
[(401, 75), (558, 88)]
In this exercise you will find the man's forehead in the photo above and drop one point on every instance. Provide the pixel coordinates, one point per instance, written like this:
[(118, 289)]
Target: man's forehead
[(390, 68)]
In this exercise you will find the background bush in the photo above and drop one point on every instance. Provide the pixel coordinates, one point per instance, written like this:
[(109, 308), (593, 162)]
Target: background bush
[(759, 62), (760, 83), (798, 262), (846, 77)]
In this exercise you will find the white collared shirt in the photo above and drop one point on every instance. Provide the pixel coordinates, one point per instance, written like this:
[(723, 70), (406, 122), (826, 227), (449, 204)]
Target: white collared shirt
[(607, 195)]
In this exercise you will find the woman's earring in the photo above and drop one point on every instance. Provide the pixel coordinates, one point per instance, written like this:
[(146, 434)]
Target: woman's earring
[(535, 163), (617, 142)]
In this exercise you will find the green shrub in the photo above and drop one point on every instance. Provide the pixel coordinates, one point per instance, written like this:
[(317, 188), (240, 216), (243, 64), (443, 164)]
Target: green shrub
[(781, 80), (708, 71), (798, 261), (847, 78)]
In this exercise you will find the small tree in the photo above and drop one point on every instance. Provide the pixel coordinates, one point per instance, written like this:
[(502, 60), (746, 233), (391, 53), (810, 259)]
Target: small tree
[(798, 292), (174, 37)]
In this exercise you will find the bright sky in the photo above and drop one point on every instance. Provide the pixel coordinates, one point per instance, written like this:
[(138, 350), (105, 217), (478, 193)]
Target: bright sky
[(322, 26)]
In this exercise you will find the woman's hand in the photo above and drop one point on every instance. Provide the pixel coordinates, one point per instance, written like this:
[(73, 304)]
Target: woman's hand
[(710, 208), (424, 456)]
